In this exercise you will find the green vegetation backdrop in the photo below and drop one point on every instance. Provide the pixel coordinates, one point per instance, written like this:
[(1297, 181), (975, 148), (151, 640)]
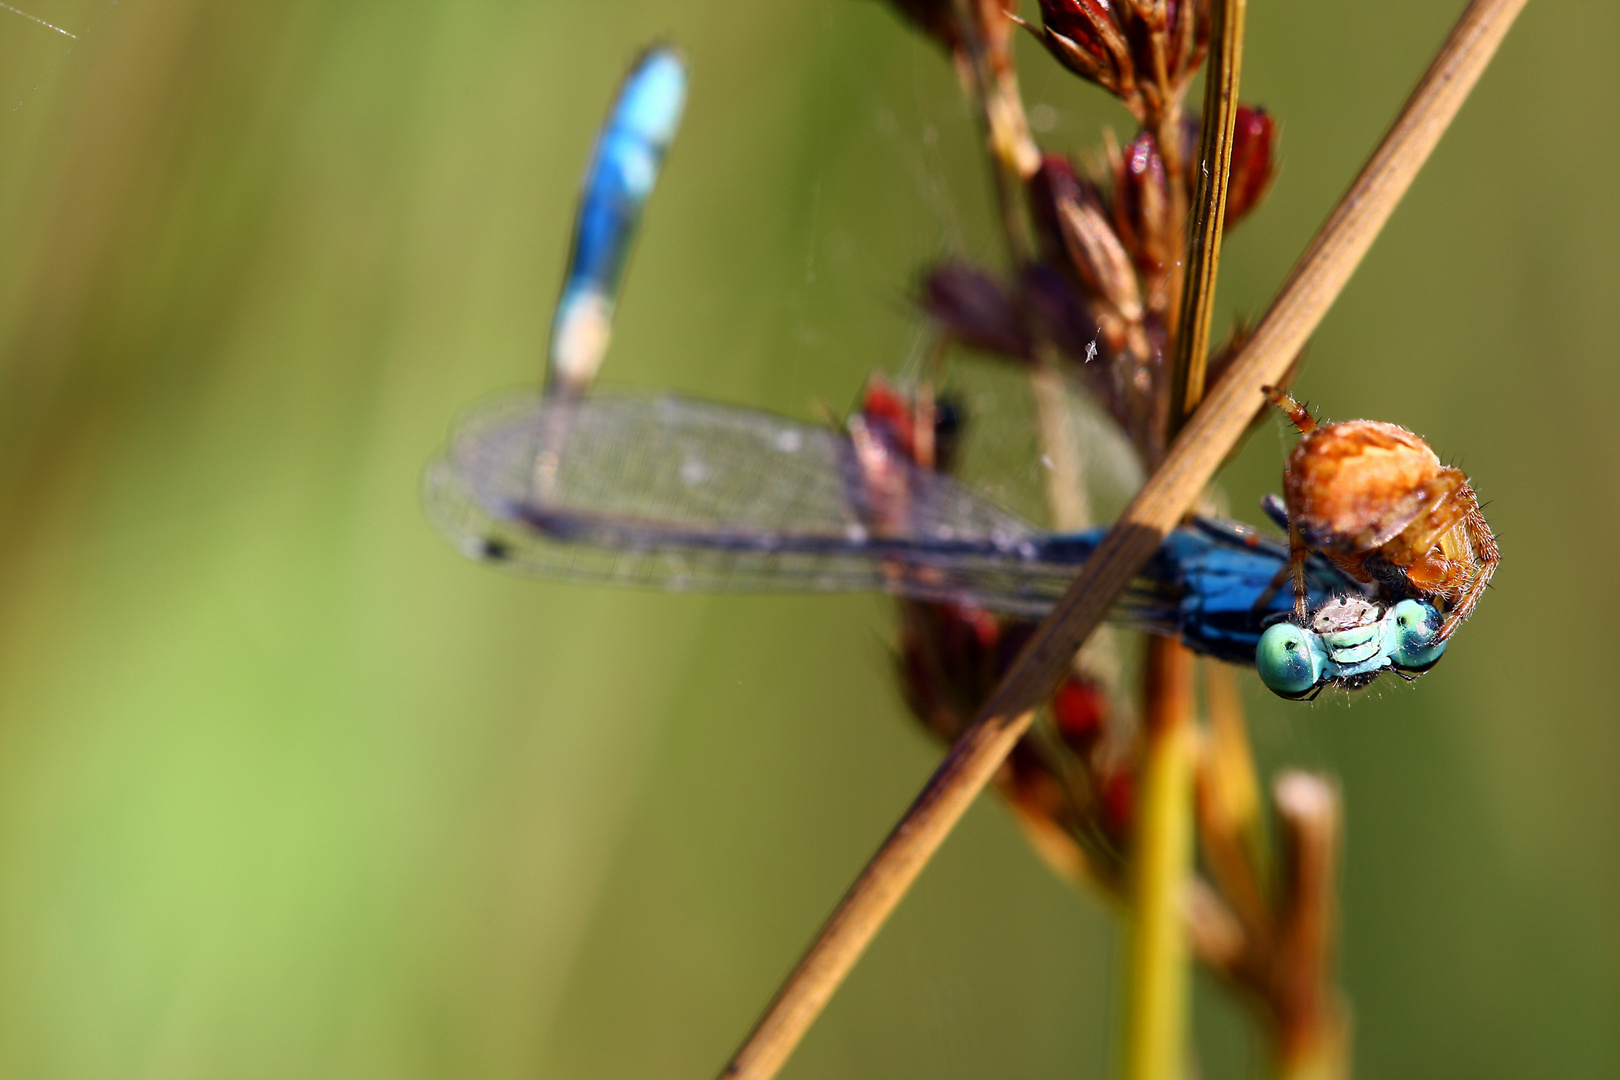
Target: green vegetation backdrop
[(287, 789)]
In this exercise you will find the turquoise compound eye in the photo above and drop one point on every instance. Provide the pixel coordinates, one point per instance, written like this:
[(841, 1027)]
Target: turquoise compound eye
[(1286, 662), (1416, 626)]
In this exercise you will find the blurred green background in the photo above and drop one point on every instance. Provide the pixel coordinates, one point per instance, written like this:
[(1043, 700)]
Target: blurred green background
[(287, 789)]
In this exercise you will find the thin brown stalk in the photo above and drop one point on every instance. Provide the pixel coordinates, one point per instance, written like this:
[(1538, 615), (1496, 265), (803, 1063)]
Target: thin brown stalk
[(1209, 210), (1312, 1023), (1192, 460), (991, 82), (1167, 137)]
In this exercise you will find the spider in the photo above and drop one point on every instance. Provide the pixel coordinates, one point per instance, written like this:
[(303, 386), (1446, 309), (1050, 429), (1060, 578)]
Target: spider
[(1376, 501)]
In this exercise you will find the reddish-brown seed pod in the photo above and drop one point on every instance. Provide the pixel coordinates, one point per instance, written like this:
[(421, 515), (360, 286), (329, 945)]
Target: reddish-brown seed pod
[(1141, 204), (972, 306), (1083, 36), (1074, 226), (951, 658), (1055, 180), (1118, 790), (1253, 165), (1080, 712)]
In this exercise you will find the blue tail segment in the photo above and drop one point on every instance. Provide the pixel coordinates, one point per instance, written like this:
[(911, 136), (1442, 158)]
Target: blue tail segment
[(623, 169)]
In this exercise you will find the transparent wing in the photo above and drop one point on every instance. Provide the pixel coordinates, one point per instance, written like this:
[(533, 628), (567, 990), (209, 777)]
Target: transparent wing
[(674, 493)]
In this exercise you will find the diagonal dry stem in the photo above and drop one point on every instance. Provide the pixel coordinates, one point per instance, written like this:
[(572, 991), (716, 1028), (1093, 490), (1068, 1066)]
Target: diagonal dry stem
[(1214, 430)]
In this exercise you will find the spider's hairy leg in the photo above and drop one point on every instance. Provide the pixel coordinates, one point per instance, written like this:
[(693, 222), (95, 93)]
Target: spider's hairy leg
[(1285, 574), (1296, 412), (1297, 554), (1486, 558)]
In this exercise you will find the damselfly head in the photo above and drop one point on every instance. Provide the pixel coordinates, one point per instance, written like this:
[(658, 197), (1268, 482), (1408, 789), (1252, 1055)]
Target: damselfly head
[(1351, 640)]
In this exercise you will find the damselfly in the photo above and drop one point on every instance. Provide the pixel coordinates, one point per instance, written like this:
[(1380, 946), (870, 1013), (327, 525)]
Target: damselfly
[(674, 493)]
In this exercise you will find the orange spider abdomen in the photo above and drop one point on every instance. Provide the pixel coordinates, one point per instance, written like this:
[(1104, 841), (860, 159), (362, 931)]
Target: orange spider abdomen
[(1345, 479)]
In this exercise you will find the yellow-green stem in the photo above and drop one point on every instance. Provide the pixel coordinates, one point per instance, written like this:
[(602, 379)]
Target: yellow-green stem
[(1156, 1011), (1156, 1023)]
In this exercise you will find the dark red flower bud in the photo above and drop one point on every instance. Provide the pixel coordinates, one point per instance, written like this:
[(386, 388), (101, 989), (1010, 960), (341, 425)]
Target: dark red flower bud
[(1075, 232), (1253, 166), (1054, 181), (1080, 712), (973, 308), (1118, 804), (951, 658), (1085, 38), (1142, 205), (897, 420)]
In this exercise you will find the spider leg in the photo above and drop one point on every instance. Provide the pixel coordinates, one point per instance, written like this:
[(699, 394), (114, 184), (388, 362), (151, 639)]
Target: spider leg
[(1277, 580), (1297, 554), (1299, 414), (1486, 557), (1430, 499), (1447, 550)]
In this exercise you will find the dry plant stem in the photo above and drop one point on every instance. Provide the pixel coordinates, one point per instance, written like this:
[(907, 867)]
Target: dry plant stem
[(1224, 73), (991, 82), (1156, 1008), (1211, 434), (1311, 1018), (1166, 129)]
